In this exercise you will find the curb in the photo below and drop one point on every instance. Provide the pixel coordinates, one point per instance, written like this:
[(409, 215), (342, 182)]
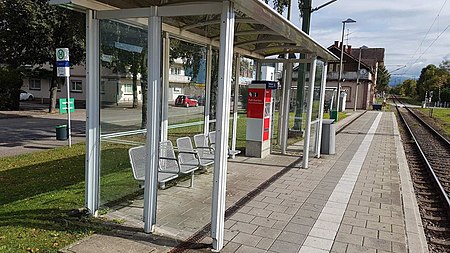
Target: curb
[(415, 235)]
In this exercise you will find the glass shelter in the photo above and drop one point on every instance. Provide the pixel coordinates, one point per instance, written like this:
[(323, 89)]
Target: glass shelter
[(128, 79)]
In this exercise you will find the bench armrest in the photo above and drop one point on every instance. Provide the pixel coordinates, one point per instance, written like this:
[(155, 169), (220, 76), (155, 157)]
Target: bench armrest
[(210, 148), (188, 152), (168, 158)]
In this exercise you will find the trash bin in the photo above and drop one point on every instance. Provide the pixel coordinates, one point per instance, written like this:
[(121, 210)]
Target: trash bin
[(333, 114), (61, 132), (328, 144)]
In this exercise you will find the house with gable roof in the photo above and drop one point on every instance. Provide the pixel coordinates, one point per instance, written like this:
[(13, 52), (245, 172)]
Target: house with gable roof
[(364, 90)]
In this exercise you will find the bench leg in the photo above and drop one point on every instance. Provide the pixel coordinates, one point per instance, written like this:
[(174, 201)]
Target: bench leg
[(192, 180), (162, 186)]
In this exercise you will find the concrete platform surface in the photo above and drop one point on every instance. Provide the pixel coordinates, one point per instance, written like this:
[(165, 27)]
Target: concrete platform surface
[(359, 200)]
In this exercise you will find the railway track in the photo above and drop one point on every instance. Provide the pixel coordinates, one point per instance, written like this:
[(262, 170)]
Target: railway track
[(428, 155)]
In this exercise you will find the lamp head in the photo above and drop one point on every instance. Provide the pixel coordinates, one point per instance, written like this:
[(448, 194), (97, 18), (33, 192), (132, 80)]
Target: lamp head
[(349, 20)]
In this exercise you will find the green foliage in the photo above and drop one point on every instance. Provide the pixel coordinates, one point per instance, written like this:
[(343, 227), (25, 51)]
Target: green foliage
[(383, 78), (115, 38), (10, 83), (445, 65), (445, 94), (407, 88), (31, 31), (432, 79), (279, 5), (192, 54)]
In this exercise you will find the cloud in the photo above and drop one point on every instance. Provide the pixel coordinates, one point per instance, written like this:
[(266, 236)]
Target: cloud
[(398, 26)]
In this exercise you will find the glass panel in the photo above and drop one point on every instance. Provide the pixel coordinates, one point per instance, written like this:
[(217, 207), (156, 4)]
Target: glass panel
[(123, 72), (315, 107), (123, 89)]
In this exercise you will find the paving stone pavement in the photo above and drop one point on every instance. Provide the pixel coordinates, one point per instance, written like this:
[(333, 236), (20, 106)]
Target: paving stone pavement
[(333, 207), (347, 202)]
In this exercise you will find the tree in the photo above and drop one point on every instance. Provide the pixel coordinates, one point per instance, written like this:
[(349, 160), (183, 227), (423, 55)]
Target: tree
[(432, 79), (409, 88), (30, 31), (10, 83), (383, 78), (279, 5), (125, 46), (445, 64)]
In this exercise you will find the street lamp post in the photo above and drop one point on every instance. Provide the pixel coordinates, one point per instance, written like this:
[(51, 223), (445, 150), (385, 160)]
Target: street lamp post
[(357, 78), (349, 20)]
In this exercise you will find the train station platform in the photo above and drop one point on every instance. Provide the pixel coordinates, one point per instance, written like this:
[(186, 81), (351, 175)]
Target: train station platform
[(359, 200)]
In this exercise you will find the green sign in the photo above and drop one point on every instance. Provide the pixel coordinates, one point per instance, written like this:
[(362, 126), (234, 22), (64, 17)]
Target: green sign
[(63, 105), (62, 54)]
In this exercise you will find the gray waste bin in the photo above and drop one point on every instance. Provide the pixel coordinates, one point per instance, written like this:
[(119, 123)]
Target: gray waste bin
[(61, 132), (328, 144)]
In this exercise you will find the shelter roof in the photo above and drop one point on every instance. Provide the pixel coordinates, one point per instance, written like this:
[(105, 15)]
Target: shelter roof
[(259, 30)]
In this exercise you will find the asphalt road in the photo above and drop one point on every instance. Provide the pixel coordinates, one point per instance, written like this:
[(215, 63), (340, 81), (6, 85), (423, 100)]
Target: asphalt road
[(24, 132), (32, 128)]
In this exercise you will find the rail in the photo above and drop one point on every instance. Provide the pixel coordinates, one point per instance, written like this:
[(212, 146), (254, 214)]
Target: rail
[(430, 169)]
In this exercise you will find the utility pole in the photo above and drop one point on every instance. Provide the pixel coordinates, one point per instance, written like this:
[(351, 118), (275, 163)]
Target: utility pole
[(306, 11), (301, 77)]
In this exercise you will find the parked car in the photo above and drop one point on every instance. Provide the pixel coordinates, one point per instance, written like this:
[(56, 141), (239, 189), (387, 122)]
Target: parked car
[(201, 100), (186, 101), (25, 95)]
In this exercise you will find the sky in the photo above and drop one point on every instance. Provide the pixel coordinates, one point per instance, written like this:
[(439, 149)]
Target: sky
[(399, 26)]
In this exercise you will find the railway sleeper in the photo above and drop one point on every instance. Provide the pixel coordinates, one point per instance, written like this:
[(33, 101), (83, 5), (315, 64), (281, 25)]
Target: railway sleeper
[(435, 218), (439, 229), (430, 201), (426, 193), (432, 208), (442, 242)]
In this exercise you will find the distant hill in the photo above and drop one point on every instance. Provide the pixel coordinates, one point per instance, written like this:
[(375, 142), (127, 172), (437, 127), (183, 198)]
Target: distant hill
[(395, 80)]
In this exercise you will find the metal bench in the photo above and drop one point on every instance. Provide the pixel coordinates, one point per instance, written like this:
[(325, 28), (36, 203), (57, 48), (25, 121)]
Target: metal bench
[(189, 155), (205, 151), (169, 165), (212, 140)]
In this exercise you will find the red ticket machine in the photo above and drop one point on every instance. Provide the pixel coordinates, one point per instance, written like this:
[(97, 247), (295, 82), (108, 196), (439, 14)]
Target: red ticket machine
[(259, 118)]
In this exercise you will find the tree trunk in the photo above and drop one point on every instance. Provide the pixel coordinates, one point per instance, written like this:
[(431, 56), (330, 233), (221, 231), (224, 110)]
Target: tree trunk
[(135, 93), (53, 92), (144, 85)]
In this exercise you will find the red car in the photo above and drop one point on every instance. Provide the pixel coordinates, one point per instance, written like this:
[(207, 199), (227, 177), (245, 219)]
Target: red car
[(186, 101)]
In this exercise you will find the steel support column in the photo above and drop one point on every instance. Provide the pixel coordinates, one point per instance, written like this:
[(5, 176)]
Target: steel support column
[(258, 69), (237, 67), (153, 119), (307, 136), (92, 166), (280, 109), (222, 131), (321, 106), (284, 131), (165, 88), (207, 108)]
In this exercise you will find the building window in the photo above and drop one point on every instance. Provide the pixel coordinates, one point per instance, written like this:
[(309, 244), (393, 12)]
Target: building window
[(128, 89), (76, 86), (35, 84), (175, 71), (330, 67)]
